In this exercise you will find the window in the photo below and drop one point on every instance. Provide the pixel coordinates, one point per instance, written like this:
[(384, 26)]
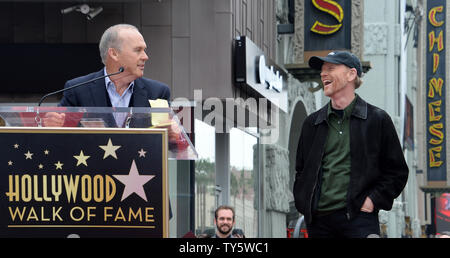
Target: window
[(205, 178), (244, 180)]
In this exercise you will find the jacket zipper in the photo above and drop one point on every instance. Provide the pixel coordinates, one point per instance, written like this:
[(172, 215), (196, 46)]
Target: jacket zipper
[(317, 179), (351, 169)]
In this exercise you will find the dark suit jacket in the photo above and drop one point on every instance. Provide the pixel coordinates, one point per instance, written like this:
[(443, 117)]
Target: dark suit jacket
[(94, 94)]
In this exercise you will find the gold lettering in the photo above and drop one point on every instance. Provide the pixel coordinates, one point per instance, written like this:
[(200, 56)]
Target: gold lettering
[(17, 213), (71, 187), (44, 188), (86, 188), (35, 189), (435, 62), (26, 188), (98, 188), (435, 85), (107, 215), (119, 215), (32, 215), (89, 213), (432, 16), (148, 215), (81, 212), (135, 215), (110, 188), (13, 192), (42, 215), (436, 130), (56, 191), (56, 214), (439, 41), (432, 107), (433, 154)]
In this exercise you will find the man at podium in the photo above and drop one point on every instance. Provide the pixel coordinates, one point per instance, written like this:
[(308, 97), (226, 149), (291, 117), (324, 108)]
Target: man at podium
[(123, 52)]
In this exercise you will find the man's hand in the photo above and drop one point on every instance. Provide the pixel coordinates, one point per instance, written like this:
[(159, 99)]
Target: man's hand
[(367, 206), (173, 130), (53, 119)]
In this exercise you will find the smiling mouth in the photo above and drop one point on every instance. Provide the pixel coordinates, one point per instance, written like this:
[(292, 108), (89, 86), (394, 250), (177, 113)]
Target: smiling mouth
[(326, 82)]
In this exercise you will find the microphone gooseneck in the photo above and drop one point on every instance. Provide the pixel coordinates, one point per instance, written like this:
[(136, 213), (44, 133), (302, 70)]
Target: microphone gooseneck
[(121, 69)]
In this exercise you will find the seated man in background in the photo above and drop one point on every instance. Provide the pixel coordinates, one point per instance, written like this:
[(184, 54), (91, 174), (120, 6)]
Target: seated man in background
[(224, 221)]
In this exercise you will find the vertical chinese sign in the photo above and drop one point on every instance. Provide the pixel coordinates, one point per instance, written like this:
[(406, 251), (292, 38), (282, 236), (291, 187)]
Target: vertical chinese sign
[(435, 94)]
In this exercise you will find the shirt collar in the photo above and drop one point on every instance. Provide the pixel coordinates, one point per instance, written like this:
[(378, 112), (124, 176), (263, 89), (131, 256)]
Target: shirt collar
[(359, 110), (347, 110), (108, 82)]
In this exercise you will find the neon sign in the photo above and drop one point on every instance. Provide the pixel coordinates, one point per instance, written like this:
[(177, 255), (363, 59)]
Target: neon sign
[(435, 98), (332, 8)]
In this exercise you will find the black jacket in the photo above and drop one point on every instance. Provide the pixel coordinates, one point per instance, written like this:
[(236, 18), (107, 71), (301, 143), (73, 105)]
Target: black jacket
[(378, 167)]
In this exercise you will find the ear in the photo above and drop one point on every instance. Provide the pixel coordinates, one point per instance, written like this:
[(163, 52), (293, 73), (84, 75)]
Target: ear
[(113, 54), (352, 74)]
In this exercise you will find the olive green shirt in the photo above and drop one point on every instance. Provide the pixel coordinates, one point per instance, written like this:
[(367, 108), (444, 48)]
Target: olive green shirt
[(336, 162)]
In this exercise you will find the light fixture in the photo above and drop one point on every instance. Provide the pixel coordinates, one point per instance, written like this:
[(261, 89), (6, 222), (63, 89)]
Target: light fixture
[(94, 12), (84, 9), (68, 9)]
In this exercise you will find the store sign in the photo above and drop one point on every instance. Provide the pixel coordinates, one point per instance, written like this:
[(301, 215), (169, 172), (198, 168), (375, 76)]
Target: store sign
[(332, 8), (268, 76), (435, 98), (88, 183), (254, 73), (327, 25)]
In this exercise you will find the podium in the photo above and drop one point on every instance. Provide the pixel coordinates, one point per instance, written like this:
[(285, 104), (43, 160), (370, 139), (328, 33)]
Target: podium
[(101, 173)]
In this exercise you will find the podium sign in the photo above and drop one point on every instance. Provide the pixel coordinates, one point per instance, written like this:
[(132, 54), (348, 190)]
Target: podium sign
[(108, 182)]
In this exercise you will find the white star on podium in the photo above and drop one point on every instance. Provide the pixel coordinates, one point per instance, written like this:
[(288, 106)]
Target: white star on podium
[(134, 183), (81, 159), (110, 149), (142, 153), (59, 165), (28, 155)]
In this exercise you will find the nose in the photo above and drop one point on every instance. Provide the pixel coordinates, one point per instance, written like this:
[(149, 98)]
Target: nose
[(144, 56)]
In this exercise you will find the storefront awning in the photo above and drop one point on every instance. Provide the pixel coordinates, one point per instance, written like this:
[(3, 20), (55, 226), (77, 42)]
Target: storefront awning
[(435, 190)]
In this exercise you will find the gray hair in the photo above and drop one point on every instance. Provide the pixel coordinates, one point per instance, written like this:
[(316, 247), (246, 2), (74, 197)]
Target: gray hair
[(110, 39)]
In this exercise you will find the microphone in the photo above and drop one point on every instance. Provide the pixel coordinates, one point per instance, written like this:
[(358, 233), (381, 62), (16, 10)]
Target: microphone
[(121, 69)]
